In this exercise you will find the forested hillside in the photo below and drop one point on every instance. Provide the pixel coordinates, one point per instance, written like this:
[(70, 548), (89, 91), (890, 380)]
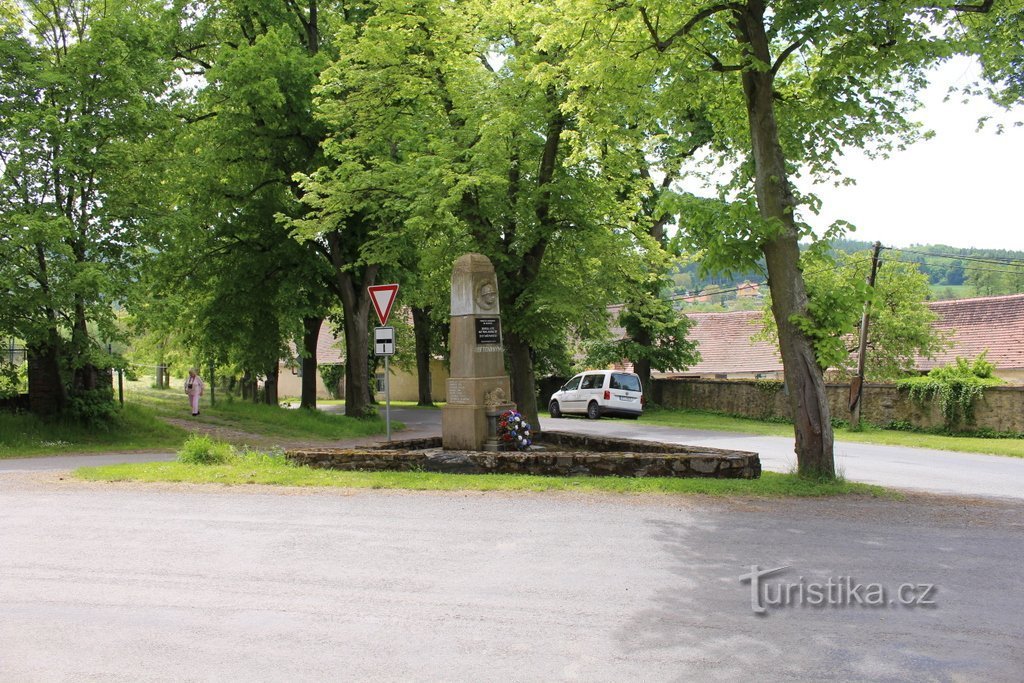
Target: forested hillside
[(953, 272)]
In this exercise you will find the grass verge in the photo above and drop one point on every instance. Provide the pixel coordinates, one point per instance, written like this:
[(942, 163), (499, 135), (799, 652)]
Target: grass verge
[(23, 436), (261, 468), (258, 418), (685, 419)]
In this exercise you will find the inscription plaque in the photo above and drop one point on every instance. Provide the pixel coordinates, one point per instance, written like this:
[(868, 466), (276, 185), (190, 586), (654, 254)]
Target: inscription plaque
[(488, 331), (459, 392)]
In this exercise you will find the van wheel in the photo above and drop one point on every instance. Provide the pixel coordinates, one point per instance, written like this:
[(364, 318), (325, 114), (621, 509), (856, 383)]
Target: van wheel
[(554, 410), (593, 412)]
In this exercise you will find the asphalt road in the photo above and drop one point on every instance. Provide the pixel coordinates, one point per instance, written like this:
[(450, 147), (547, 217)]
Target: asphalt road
[(171, 583), (915, 469)]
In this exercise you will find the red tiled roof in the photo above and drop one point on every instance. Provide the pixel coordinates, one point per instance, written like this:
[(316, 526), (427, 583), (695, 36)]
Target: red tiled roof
[(328, 347), (992, 323), (725, 344)]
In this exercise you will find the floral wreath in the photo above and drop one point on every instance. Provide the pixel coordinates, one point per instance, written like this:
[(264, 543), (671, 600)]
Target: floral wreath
[(513, 430)]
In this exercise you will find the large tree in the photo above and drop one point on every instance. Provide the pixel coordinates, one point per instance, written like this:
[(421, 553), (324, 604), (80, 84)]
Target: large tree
[(250, 132), (451, 118), (787, 85), (83, 96)]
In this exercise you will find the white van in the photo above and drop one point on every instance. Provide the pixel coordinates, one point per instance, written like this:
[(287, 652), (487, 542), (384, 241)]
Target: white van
[(599, 392)]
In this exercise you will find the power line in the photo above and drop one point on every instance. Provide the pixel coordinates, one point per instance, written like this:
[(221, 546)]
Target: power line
[(973, 269), (996, 260)]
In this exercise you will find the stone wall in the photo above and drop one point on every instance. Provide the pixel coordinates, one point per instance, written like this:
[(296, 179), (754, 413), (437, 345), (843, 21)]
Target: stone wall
[(599, 457), (1001, 409)]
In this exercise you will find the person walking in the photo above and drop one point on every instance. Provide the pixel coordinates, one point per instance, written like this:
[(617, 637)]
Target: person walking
[(194, 389)]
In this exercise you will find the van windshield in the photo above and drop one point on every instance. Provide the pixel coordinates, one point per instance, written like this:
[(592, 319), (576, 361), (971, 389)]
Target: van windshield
[(625, 382)]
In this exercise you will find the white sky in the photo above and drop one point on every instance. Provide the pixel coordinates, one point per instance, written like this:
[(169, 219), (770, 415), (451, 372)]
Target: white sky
[(962, 188)]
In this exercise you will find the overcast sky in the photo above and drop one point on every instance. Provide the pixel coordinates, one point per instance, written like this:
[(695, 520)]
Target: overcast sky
[(963, 188)]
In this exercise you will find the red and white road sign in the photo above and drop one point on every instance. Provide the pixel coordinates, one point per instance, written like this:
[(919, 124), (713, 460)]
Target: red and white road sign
[(383, 298)]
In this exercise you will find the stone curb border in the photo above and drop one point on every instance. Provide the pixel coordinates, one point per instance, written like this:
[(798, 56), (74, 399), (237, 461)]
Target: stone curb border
[(603, 457)]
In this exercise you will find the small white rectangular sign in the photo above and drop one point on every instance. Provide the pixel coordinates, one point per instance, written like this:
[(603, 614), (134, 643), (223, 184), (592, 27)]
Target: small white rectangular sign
[(383, 341)]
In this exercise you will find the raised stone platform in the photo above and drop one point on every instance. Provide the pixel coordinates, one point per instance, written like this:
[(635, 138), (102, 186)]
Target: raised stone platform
[(564, 454)]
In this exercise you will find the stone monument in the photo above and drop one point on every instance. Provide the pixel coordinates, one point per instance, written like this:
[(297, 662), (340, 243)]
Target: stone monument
[(478, 383)]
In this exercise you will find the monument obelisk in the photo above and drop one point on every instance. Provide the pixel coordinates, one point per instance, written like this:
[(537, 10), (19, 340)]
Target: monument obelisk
[(478, 382)]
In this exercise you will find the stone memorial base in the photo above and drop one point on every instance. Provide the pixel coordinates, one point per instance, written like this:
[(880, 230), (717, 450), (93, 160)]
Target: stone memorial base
[(602, 457), (464, 416)]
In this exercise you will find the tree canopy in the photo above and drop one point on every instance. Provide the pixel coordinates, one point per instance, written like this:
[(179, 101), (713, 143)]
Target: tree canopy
[(234, 172)]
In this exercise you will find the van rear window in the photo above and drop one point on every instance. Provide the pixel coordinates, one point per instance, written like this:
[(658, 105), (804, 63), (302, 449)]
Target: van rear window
[(625, 382)]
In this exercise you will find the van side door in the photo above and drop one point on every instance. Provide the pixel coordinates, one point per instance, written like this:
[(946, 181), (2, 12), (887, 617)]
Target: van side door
[(591, 389), (569, 398)]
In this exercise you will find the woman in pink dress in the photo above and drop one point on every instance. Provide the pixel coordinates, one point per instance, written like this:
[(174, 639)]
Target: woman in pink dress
[(194, 389)]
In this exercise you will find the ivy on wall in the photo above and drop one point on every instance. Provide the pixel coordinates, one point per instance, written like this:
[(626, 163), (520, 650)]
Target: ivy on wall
[(956, 387)]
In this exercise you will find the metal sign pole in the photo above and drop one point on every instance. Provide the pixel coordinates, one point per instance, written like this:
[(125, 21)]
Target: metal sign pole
[(387, 394)]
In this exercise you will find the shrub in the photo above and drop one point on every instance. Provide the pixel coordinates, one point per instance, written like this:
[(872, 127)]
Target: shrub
[(956, 386), (332, 375), (93, 408), (13, 379), (200, 449)]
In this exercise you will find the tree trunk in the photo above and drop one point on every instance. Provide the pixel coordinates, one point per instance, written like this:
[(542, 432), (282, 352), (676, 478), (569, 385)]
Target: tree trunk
[(84, 375), (355, 301), (248, 385), (642, 366), (46, 392), (521, 376), (422, 331), (804, 381), (310, 337), (270, 386)]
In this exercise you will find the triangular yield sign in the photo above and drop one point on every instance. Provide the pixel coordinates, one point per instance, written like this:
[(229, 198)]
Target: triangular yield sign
[(383, 298)]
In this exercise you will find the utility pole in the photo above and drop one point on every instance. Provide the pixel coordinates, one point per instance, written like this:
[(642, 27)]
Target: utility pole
[(857, 386)]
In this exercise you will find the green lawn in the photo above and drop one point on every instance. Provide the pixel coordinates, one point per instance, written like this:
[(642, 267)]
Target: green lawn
[(256, 418), (699, 420), (138, 429), (256, 468), (140, 426)]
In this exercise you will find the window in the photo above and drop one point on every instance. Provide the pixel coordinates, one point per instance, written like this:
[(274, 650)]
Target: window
[(625, 382), (380, 382), (592, 382), (573, 384)]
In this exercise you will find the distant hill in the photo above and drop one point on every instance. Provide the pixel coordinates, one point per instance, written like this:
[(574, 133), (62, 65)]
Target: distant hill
[(956, 272), (953, 273)]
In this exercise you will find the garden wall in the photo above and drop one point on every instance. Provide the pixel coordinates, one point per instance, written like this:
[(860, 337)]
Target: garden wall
[(1001, 409)]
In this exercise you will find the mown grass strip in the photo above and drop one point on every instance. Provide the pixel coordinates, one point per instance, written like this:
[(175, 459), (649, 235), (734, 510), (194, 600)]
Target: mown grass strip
[(250, 469)]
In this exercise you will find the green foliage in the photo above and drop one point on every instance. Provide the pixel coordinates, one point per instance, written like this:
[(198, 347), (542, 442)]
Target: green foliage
[(200, 449), (956, 387), (13, 378), (899, 324), (84, 94), (654, 331), (332, 376), (94, 408)]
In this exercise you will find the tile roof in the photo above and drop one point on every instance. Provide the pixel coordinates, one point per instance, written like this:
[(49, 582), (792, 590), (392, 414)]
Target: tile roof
[(992, 323), (725, 344), (329, 349)]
